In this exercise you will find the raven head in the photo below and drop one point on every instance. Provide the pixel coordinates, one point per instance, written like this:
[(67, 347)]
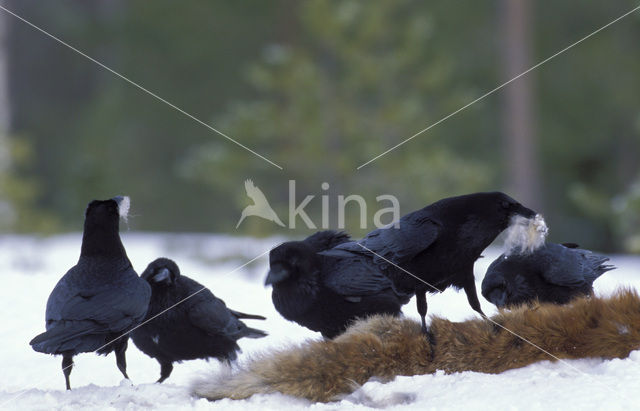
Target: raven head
[(291, 260), (162, 271)]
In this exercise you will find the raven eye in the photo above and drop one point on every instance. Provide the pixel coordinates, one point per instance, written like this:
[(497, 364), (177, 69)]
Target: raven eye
[(505, 204)]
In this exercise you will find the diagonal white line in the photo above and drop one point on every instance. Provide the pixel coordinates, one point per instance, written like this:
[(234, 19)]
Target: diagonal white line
[(499, 87), (133, 83), (181, 301), (503, 327), (564, 362), (399, 268), (20, 394)]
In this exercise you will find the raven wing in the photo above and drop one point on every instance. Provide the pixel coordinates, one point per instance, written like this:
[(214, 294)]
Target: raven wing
[(211, 315), (357, 276), (327, 239), (564, 266), (396, 245), (112, 307)]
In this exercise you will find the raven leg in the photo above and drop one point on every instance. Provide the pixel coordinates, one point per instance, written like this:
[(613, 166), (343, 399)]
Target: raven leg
[(421, 300), (165, 370), (121, 360), (67, 365), (472, 296)]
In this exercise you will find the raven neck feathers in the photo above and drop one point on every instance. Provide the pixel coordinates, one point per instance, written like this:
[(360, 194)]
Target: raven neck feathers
[(294, 297), (102, 239)]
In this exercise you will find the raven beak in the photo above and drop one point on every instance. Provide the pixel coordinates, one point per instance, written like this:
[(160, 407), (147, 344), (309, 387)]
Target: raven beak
[(163, 275), (276, 275), (525, 212), (498, 298)]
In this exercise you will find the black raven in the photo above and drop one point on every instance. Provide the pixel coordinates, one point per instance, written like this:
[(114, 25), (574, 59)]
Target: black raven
[(553, 273), (435, 247), (100, 298), (327, 294), (186, 321)]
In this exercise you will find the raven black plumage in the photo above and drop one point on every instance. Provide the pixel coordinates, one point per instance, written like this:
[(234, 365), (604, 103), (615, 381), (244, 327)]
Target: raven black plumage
[(99, 299), (435, 247), (199, 326), (553, 273), (327, 294)]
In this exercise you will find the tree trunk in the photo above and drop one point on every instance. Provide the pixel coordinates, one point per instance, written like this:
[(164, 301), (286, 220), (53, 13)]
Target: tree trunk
[(519, 130), (5, 108), (7, 214)]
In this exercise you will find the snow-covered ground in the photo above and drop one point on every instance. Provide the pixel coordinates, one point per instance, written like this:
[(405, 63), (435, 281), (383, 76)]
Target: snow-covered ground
[(30, 267)]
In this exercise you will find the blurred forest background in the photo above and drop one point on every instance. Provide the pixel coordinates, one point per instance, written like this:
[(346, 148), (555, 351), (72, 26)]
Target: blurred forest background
[(319, 87)]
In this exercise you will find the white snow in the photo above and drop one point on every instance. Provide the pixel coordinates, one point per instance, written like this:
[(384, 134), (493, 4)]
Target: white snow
[(30, 267)]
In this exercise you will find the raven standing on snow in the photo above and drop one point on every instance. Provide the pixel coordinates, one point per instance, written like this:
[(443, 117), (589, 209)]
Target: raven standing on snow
[(100, 298), (552, 273), (186, 321), (436, 247), (327, 294)]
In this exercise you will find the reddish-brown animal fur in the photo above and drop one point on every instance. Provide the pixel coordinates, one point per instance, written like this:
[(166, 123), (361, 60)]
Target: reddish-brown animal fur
[(385, 347)]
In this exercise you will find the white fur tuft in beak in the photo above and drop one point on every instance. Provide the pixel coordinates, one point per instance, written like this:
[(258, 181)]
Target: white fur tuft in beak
[(123, 207), (525, 235)]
